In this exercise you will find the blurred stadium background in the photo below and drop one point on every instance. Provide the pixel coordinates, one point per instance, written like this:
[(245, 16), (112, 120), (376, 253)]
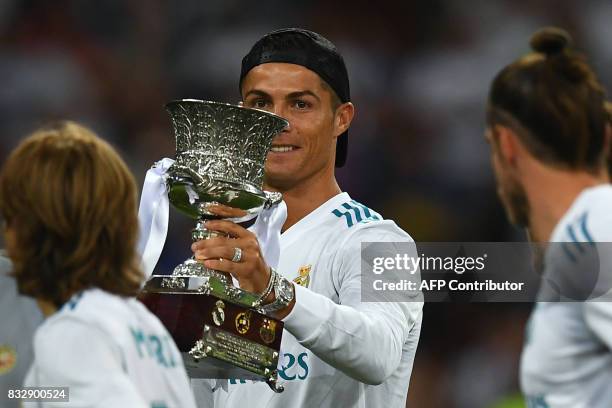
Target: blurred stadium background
[(419, 72)]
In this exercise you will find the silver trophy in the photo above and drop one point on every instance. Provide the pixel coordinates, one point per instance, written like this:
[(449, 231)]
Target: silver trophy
[(219, 167), (220, 155)]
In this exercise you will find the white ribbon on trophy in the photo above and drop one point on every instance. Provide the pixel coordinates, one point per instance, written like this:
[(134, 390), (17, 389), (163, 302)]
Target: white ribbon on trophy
[(153, 215), (153, 219)]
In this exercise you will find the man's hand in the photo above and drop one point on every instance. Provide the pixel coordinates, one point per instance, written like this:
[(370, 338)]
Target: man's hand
[(216, 253)]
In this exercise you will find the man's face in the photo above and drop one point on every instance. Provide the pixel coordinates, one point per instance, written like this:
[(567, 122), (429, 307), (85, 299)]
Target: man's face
[(307, 147), (509, 187)]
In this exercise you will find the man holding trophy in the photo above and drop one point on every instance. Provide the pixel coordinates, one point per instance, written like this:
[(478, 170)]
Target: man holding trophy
[(336, 350)]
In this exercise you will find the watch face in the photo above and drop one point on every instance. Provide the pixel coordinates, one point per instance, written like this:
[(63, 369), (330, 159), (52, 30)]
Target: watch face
[(285, 290)]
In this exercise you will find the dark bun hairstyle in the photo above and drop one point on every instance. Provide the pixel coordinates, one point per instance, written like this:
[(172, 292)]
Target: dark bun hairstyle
[(554, 102), (550, 41)]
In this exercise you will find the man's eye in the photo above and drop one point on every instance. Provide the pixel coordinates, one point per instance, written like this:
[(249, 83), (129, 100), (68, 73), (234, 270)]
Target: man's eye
[(300, 104), (259, 103)]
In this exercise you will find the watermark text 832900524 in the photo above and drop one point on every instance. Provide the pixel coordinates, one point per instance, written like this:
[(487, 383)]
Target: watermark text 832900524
[(58, 394)]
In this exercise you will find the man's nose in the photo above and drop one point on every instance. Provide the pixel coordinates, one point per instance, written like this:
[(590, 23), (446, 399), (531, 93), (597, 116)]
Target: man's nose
[(281, 111)]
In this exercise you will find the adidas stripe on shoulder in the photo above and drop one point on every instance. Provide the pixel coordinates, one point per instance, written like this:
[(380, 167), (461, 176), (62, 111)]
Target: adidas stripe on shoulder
[(355, 213)]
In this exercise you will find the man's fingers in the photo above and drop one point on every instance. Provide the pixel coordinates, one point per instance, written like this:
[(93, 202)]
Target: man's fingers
[(229, 227), (246, 244), (211, 242), (215, 253)]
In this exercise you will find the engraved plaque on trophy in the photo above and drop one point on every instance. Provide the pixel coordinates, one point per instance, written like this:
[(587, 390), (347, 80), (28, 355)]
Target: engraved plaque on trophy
[(220, 155)]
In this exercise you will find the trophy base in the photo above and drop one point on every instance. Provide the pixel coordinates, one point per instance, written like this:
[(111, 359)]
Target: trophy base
[(218, 337), (211, 358)]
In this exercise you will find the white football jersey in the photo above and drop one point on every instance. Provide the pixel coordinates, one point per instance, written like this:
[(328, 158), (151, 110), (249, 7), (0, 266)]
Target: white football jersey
[(336, 351), (110, 352), (567, 357)]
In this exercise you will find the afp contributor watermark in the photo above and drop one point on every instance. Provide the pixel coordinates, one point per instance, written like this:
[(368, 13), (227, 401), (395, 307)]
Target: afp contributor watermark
[(441, 272)]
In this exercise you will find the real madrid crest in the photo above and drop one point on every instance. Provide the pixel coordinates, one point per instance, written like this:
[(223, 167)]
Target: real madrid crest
[(243, 322), (303, 278), (8, 358), (267, 331), (218, 314)]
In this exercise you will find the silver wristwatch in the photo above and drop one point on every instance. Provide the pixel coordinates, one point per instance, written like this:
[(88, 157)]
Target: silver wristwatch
[(284, 292)]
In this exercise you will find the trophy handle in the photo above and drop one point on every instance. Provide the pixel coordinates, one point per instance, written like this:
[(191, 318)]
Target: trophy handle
[(272, 198), (200, 180)]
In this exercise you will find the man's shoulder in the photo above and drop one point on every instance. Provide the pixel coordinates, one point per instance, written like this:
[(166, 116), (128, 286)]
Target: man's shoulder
[(588, 221), (91, 310), (109, 313), (597, 217), (351, 213), (354, 220), (344, 221), (77, 314)]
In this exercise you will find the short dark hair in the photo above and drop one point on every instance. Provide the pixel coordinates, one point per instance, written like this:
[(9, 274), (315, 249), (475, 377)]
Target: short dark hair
[(70, 204), (556, 99)]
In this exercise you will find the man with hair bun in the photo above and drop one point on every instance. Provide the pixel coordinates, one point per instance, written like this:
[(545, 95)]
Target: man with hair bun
[(549, 133)]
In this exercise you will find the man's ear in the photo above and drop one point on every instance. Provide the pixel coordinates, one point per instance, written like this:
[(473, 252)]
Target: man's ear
[(508, 144), (344, 117)]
